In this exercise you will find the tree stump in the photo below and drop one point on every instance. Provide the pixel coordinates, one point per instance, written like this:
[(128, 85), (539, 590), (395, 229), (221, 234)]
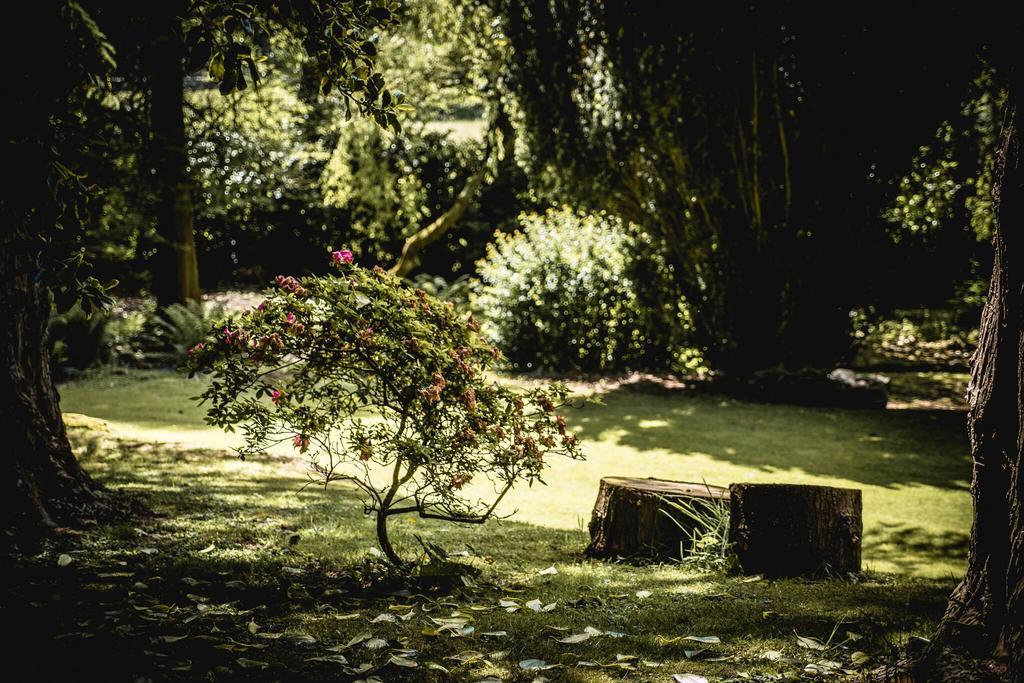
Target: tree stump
[(628, 520), (788, 530)]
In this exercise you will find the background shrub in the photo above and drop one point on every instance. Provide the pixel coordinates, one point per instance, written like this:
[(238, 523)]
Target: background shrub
[(78, 340), (581, 293), (171, 331)]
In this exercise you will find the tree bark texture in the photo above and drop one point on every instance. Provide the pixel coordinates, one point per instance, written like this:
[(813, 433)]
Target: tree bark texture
[(43, 484), (631, 518), (981, 635), (790, 530)]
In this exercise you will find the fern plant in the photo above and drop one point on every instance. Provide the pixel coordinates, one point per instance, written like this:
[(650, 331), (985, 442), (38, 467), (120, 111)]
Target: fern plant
[(172, 330)]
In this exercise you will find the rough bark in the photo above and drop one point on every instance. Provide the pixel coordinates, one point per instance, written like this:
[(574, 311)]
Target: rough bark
[(981, 635), (632, 519), (501, 127), (43, 484), (791, 530), (176, 271)]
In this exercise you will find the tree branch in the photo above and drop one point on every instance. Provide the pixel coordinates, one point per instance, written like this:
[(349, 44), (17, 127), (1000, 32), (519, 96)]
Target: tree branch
[(417, 242)]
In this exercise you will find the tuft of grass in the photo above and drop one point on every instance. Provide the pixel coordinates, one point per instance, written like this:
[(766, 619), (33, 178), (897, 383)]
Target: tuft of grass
[(706, 523)]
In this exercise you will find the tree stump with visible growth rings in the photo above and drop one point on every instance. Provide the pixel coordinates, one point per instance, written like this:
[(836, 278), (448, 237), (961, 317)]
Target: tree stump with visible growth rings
[(791, 530), (630, 520)]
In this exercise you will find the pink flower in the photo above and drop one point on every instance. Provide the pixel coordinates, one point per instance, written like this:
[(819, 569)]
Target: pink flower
[(365, 450), (461, 479), (196, 349), (560, 423), (275, 396), (289, 318), (433, 392), (235, 337), (341, 257), (263, 305), (301, 442)]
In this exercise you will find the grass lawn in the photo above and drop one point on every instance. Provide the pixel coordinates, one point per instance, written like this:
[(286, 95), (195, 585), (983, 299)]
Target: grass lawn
[(240, 573)]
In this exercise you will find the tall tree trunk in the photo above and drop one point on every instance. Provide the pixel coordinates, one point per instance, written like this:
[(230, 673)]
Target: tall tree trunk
[(176, 271), (43, 484), (981, 636)]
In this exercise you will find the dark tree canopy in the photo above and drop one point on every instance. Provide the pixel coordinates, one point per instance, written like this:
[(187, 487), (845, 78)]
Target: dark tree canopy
[(759, 144)]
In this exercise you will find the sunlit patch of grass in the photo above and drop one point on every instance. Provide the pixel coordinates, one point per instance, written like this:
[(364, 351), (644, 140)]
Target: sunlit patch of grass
[(238, 565), (913, 466), (929, 390)]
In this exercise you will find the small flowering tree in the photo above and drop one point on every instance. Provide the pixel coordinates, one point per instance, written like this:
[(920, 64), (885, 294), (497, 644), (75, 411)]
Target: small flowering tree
[(383, 387)]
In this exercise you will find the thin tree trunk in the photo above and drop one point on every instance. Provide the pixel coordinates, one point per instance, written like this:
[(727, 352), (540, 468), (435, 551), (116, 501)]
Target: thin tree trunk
[(384, 541), (176, 272), (981, 636), (439, 227)]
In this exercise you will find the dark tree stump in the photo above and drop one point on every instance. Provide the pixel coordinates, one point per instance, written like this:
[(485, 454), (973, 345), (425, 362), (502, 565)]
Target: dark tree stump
[(789, 530), (628, 520)]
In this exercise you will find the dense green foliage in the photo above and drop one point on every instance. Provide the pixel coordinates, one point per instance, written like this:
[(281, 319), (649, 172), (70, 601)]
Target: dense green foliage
[(726, 135), (278, 173), (387, 389), (580, 293), (941, 215), (387, 187)]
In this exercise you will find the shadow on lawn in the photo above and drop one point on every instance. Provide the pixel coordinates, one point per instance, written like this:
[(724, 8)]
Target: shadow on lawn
[(884, 448), (217, 586), (913, 549)]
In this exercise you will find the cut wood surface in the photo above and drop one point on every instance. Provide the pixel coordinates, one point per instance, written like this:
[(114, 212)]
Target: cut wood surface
[(631, 517), (793, 530)]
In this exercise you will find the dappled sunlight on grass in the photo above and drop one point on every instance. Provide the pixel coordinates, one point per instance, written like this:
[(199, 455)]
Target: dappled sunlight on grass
[(913, 466), (241, 572)]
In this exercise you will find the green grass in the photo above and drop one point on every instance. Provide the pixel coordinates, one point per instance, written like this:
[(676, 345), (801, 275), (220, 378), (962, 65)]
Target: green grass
[(912, 465), (241, 566)]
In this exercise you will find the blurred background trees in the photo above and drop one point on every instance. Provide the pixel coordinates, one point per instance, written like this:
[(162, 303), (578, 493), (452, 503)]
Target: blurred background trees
[(707, 144)]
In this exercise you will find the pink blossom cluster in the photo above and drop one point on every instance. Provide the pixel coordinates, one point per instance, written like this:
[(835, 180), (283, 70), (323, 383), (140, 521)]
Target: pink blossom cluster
[(469, 396), (341, 258), (237, 337)]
